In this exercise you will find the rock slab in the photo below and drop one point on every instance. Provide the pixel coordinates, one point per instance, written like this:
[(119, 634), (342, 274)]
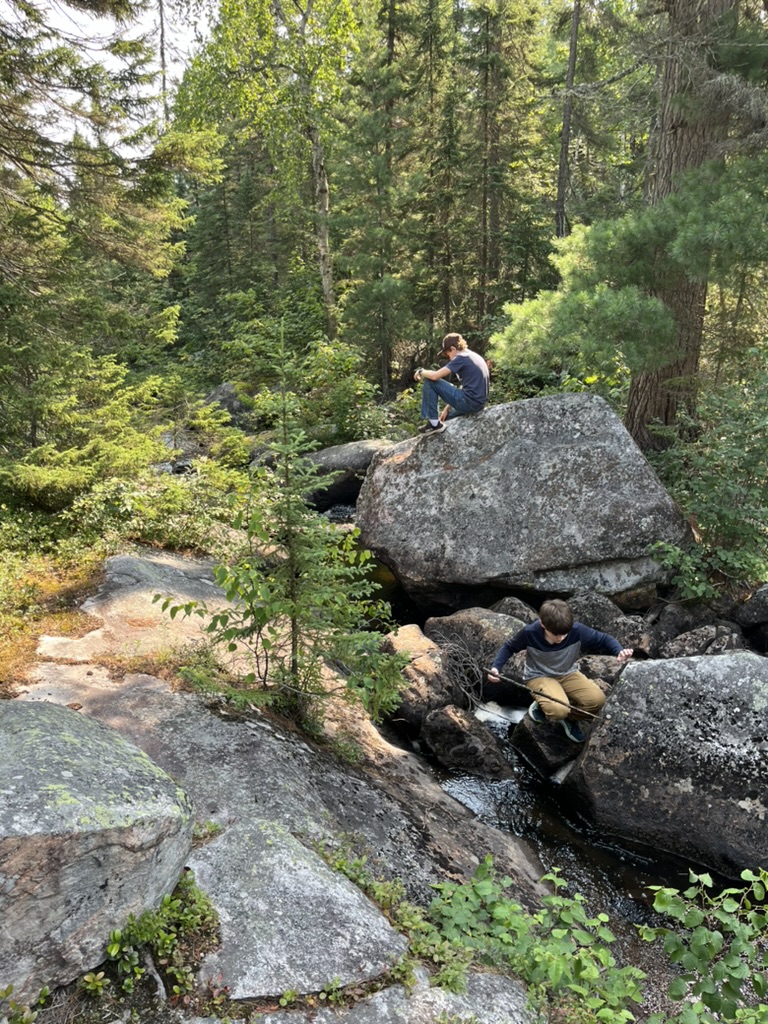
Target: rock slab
[(263, 882)]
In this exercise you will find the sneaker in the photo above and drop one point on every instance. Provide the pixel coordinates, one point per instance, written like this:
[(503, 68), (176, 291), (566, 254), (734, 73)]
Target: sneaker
[(427, 428), (573, 731), (536, 714)]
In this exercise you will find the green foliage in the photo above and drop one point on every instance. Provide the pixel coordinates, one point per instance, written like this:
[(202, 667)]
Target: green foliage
[(447, 958), (238, 331), (125, 957), (95, 983), (204, 831), (559, 951), (310, 602), (719, 477), (289, 997), (77, 423), (718, 942), (182, 914), (332, 992), (183, 512), (340, 402), (605, 317), (302, 597), (595, 324), (20, 1013)]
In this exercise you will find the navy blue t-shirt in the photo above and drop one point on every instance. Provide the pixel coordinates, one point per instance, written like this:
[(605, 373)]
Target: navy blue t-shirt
[(472, 371)]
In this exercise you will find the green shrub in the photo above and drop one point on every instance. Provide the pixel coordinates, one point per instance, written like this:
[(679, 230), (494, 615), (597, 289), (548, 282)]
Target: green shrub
[(719, 942), (182, 914), (560, 951), (719, 477), (182, 512)]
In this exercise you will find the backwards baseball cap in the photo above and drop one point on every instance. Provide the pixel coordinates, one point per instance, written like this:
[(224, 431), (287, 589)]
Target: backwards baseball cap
[(450, 341)]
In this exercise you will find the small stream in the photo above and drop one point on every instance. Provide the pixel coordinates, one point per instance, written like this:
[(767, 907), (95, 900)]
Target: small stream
[(614, 879), (612, 875)]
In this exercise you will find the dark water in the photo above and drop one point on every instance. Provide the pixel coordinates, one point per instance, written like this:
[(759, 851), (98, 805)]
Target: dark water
[(612, 875), (613, 878)]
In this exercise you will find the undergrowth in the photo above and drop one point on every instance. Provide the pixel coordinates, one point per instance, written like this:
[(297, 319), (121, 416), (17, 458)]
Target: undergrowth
[(561, 952)]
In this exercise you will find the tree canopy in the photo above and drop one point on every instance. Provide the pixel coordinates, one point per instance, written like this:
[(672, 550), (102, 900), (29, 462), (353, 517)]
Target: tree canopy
[(578, 189)]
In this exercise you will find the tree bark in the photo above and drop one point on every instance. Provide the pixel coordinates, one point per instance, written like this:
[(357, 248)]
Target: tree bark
[(685, 138), (323, 208), (561, 221)]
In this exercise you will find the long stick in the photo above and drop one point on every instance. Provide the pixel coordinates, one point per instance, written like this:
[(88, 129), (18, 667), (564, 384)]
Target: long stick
[(538, 693)]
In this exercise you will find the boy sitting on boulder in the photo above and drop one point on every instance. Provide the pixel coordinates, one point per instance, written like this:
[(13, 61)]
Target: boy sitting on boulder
[(552, 647)]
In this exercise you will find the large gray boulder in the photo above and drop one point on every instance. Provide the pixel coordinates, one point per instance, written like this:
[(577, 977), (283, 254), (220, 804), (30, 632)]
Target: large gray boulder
[(548, 494), (679, 760), (599, 612), (754, 612), (91, 831)]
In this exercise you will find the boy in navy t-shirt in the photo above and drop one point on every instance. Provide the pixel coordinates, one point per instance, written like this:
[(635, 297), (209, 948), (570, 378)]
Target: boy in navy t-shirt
[(472, 371)]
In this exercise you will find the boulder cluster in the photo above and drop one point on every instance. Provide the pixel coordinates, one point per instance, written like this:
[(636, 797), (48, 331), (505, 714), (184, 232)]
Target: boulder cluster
[(551, 497), (103, 778)]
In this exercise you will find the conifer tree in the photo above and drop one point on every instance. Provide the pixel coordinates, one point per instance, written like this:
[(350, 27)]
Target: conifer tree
[(303, 597)]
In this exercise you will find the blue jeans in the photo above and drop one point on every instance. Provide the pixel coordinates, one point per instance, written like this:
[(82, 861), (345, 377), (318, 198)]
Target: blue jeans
[(431, 390)]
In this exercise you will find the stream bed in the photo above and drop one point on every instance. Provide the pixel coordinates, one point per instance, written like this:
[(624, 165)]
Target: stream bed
[(612, 876)]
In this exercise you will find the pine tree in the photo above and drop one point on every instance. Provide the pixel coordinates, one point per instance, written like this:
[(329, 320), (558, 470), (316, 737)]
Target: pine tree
[(303, 597)]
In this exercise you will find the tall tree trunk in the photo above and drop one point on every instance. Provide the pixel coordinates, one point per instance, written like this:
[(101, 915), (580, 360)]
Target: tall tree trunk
[(686, 137), (163, 65), (482, 283), (323, 210), (490, 213), (561, 221), (385, 333)]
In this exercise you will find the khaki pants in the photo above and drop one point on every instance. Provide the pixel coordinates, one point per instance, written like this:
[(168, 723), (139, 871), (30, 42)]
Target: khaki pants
[(574, 689)]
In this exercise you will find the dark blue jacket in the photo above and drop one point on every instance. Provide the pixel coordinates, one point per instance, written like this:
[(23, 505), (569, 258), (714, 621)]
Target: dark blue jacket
[(554, 660)]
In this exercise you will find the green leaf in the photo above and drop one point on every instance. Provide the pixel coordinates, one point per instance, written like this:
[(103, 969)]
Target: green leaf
[(678, 989)]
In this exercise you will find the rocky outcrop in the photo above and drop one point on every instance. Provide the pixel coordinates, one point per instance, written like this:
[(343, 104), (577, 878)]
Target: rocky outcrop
[(546, 494), (679, 760), (345, 466), (128, 620), (91, 831), (227, 397), (715, 639), (516, 608), (545, 746), (488, 999), (262, 880), (428, 685), (459, 740), (287, 921), (599, 612)]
